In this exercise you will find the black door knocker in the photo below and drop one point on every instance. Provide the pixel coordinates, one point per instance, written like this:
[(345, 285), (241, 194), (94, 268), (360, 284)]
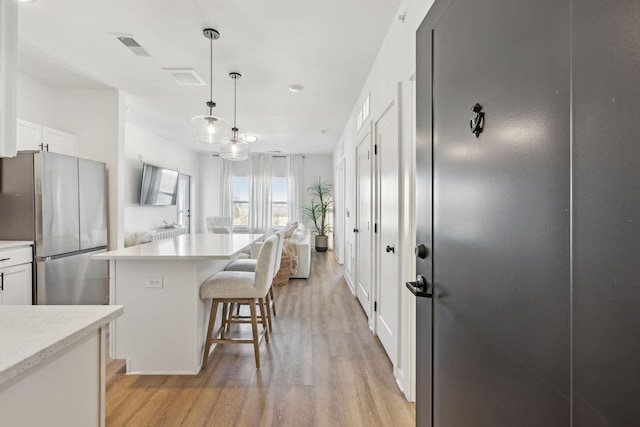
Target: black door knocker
[(477, 123)]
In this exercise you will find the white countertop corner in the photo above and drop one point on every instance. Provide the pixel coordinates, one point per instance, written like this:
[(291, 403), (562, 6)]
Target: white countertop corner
[(30, 334)]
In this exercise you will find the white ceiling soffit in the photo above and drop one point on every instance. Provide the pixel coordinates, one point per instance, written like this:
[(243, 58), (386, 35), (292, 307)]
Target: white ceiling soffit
[(327, 46)]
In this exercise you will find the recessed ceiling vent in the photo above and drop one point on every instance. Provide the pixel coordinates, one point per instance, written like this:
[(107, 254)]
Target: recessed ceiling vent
[(133, 45), (185, 76)]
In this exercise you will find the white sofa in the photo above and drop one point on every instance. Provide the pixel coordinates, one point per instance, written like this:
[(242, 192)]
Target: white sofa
[(304, 255)]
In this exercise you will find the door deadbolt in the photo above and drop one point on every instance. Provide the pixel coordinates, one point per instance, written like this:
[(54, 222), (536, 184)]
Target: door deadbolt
[(421, 251)]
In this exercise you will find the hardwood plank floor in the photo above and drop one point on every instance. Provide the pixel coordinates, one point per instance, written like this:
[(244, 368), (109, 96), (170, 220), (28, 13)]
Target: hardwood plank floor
[(322, 367)]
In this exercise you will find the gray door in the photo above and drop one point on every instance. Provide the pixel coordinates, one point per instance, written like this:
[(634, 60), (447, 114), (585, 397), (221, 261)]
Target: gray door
[(501, 214), (57, 217), (606, 212), (92, 203)]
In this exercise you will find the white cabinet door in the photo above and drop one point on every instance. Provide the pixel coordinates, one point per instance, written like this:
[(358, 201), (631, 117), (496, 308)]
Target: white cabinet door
[(60, 142), (15, 285), (28, 136), (33, 137)]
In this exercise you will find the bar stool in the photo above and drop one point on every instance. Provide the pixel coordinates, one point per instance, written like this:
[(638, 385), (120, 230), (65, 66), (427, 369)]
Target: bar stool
[(241, 288), (250, 266)]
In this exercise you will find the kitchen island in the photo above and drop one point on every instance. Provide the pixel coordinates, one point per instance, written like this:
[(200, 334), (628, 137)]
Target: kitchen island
[(52, 364), (163, 330)]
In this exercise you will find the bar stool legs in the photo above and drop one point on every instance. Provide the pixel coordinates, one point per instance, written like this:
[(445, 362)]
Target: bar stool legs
[(212, 337)]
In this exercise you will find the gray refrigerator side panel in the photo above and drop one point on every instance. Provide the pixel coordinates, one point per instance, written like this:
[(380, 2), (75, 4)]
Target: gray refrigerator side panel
[(73, 280), (93, 203), (17, 203), (57, 212)]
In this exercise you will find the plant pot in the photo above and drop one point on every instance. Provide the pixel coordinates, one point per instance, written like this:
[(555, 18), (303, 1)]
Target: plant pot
[(322, 243)]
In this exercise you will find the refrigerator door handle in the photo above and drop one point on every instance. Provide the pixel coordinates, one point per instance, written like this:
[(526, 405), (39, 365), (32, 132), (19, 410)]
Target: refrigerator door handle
[(421, 287)]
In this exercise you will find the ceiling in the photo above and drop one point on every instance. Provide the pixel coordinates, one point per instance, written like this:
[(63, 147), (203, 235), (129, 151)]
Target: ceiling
[(326, 46)]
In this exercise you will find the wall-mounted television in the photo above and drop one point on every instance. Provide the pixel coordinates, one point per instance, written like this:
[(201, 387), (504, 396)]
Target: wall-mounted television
[(159, 186)]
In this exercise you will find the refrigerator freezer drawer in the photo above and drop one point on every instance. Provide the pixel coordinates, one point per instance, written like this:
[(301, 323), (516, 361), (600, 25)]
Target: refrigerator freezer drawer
[(72, 280)]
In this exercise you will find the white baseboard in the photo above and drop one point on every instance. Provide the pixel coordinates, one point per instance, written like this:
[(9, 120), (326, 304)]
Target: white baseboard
[(352, 288)]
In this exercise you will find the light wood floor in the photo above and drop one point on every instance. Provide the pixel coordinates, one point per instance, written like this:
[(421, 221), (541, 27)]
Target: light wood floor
[(322, 367)]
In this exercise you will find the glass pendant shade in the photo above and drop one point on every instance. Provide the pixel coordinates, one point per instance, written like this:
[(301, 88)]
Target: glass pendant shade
[(235, 150), (210, 129)]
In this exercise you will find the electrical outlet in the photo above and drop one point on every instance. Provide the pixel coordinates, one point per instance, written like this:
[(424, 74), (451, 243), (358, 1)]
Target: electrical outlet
[(154, 282)]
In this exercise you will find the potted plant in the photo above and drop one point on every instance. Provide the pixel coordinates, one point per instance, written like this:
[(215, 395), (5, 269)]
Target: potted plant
[(318, 212)]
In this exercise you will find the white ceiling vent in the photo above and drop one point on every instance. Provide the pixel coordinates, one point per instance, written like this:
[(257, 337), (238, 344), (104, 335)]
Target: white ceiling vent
[(185, 76), (133, 45)]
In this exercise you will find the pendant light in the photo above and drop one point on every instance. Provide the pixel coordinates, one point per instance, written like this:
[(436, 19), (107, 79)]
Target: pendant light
[(236, 149), (210, 129)]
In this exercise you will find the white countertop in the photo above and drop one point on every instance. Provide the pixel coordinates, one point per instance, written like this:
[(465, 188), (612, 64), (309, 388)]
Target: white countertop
[(186, 247), (30, 334), (6, 244)]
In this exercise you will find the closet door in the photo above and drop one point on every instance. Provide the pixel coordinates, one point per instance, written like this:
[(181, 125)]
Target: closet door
[(501, 214)]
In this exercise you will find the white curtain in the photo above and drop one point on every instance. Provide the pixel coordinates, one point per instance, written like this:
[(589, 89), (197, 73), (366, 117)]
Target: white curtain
[(260, 194), (294, 187), (226, 177), (8, 76)]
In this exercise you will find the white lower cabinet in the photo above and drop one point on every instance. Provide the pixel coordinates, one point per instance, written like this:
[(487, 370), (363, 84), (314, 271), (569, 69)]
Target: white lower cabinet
[(15, 276)]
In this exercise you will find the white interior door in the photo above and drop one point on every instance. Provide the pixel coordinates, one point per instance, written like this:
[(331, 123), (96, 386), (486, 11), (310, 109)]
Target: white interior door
[(184, 201), (339, 214), (363, 224), (388, 283)]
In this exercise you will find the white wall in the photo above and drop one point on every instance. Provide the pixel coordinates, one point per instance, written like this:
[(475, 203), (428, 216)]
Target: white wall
[(36, 101), (150, 148), (394, 64)]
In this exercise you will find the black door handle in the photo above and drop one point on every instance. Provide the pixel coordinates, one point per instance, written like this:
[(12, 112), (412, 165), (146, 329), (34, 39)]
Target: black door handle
[(355, 230), (2, 281), (420, 287), (391, 249)]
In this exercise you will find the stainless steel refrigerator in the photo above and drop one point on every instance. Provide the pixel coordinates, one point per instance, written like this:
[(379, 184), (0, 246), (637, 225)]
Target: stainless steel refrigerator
[(60, 203)]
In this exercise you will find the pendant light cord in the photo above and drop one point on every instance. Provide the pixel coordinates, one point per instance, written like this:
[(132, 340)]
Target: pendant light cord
[(235, 101), (211, 75)]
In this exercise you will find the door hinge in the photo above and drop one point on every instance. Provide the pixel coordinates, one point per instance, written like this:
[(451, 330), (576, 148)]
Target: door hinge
[(375, 306), (375, 149)]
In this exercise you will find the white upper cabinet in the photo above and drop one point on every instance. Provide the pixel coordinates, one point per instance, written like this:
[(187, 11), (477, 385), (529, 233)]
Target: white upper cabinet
[(32, 136), (28, 135), (58, 141)]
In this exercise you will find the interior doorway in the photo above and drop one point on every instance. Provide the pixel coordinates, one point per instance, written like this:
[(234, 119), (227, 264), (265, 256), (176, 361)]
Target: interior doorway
[(183, 201), (363, 230), (387, 306)]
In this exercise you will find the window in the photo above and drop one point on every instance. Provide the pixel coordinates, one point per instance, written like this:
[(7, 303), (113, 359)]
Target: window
[(240, 197), (279, 214)]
